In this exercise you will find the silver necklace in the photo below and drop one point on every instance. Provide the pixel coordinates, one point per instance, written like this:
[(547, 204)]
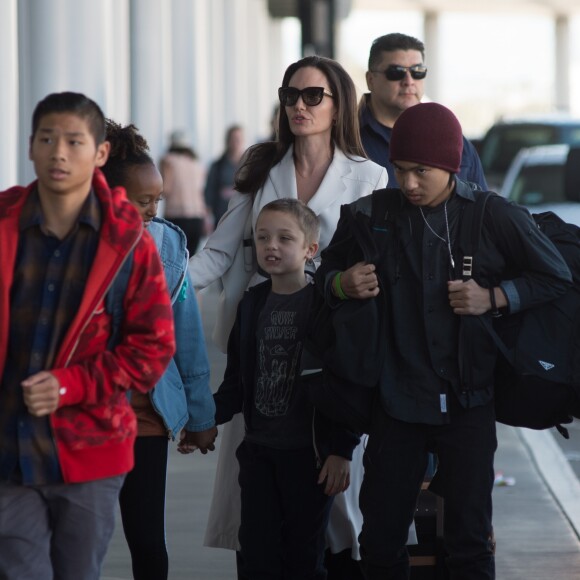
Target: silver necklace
[(447, 241)]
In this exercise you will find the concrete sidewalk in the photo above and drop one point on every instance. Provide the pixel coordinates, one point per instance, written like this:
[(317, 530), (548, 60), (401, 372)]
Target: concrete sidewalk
[(533, 520)]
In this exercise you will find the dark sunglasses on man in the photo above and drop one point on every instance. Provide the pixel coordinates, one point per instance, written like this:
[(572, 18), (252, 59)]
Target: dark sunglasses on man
[(311, 96), (395, 72)]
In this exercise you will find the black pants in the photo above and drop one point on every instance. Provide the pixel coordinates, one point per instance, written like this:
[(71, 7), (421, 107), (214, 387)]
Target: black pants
[(142, 502), (395, 460), (192, 228), (341, 566), (284, 514)]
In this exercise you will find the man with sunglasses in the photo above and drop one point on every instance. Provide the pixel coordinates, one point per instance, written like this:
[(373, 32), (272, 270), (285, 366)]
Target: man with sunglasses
[(395, 79)]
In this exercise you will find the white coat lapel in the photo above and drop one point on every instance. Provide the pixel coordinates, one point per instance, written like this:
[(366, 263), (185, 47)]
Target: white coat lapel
[(281, 182), (333, 185), (283, 177)]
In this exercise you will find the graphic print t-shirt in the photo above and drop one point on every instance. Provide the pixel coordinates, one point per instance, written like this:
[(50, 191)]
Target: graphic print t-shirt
[(281, 414)]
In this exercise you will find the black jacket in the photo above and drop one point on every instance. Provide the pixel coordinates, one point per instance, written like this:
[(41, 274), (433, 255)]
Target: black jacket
[(236, 392), (513, 254)]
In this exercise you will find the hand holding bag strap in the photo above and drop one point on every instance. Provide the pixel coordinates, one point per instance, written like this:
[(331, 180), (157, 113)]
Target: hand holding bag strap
[(469, 239), (355, 320)]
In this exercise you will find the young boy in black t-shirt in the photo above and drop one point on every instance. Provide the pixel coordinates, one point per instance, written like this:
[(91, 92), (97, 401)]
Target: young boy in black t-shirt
[(292, 460)]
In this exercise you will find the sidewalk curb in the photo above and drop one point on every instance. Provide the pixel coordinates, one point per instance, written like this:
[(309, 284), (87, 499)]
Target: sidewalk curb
[(556, 472)]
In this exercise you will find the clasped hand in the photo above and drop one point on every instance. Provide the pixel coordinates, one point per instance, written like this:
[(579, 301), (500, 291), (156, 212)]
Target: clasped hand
[(189, 441), (41, 393), (360, 281), (468, 297)]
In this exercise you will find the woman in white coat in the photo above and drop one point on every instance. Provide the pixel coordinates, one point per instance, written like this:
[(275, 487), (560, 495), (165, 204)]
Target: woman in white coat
[(318, 159)]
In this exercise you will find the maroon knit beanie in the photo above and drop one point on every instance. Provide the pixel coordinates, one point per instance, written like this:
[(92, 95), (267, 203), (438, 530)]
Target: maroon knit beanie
[(429, 134)]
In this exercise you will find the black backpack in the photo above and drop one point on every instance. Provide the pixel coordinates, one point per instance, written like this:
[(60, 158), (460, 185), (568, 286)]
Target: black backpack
[(537, 376), (343, 378)]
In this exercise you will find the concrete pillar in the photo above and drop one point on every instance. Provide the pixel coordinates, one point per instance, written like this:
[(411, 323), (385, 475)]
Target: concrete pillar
[(151, 71), (116, 53), (562, 64), (241, 87), (318, 27), (241, 73), (8, 95), (264, 72), (66, 45), (218, 85), (431, 25), (190, 97), (275, 67)]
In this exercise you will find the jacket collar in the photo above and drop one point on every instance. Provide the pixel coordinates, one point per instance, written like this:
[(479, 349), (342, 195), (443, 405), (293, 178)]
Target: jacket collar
[(465, 189), (367, 119), (120, 226), (121, 229), (172, 247)]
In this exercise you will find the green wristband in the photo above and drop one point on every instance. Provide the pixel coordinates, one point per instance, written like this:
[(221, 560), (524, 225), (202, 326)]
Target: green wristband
[(338, 288)]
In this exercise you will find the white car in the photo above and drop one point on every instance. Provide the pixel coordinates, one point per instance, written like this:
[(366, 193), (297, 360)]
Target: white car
[(535, 179), (505, 138)]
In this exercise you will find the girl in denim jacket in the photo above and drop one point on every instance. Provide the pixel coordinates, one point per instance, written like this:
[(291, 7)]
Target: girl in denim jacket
[(181, 404)]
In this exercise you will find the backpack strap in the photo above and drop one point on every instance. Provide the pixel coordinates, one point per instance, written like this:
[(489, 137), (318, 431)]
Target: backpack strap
[(114, 300), (362, 235), (386, 206), (469, 234), (470, 228), (382, 207)]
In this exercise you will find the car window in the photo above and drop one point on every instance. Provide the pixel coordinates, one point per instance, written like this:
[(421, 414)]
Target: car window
[(572, 135), (538, 184), (502, 144)]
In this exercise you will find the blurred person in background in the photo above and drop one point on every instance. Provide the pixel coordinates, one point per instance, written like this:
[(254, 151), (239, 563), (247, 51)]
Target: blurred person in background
[(183, 181), (219, 187)]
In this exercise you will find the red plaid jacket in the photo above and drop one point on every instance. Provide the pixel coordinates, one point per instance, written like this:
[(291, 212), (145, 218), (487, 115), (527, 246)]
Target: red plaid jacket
[(94, 427)]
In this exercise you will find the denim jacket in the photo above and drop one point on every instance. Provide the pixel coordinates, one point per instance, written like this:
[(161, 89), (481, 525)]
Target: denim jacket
[(182, 397)]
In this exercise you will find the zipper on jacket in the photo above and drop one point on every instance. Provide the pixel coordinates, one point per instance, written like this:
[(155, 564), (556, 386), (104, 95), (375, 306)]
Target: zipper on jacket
[(76, 343), (74, 347)]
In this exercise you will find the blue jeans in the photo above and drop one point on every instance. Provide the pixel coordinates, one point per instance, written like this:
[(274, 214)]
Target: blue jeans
[(395, 461), (284, 514)]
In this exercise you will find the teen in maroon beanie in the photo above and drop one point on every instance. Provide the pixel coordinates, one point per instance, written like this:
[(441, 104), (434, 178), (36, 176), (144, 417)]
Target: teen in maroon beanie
[(437, 394)]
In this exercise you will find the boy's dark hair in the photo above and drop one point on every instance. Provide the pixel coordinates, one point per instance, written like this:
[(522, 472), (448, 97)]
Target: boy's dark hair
[(308, 221), (128, 148), (392, 42), (75, 103)]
